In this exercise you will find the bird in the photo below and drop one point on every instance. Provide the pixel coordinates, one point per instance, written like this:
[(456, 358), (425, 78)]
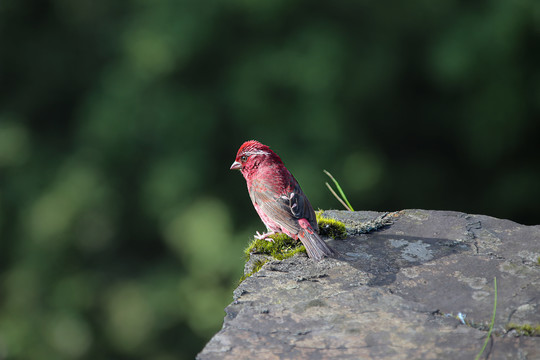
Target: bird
[(278, 199)]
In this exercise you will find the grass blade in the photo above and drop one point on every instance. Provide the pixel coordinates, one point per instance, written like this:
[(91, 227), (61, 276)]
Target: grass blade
[(337, 197), (348, 206), (492, 321)]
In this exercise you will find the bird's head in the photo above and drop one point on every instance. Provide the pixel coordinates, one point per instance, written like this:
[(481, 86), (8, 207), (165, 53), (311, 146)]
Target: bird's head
[(251, 154)]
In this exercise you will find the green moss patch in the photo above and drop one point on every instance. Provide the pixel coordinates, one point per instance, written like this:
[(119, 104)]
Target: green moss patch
[(282, 247), (524, 330), (330, 227), (257, 265)]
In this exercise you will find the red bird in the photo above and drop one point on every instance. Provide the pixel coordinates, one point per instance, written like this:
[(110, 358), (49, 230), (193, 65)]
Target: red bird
[(278, 198)]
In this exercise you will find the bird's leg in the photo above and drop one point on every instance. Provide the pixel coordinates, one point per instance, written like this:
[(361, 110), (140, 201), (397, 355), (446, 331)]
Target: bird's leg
[(265, 236)]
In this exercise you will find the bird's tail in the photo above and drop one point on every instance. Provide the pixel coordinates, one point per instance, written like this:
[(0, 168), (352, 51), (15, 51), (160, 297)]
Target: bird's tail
[(315, 246)]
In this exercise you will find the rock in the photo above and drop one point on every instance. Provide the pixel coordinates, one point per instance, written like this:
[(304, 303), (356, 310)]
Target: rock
[(393, 294)]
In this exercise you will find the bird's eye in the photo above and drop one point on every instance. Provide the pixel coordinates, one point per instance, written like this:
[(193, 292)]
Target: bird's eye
[(243, 158)]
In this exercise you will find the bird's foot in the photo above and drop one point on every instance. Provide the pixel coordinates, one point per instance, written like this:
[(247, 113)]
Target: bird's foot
[(265, 236)]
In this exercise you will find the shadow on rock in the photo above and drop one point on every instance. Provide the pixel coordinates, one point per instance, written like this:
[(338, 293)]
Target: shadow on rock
[(383, 253)]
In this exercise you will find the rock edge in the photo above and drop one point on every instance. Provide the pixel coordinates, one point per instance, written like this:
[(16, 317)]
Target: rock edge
[(393, 294)]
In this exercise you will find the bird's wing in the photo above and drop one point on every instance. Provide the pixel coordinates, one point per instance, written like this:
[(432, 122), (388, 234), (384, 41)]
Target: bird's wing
[(284, 208)]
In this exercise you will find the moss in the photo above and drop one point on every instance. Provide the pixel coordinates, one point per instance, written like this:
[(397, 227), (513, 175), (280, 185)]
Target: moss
[(257, 265), (330, 227), (525, 329), (538, 260), (282, 247)]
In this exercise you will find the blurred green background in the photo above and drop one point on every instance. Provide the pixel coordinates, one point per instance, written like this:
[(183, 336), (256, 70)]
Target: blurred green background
[(121, 226)]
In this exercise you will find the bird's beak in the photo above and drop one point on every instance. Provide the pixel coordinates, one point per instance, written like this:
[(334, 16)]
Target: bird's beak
[(236, 166)]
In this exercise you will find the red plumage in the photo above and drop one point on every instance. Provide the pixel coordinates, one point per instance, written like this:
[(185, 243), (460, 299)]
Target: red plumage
[(278, 198)]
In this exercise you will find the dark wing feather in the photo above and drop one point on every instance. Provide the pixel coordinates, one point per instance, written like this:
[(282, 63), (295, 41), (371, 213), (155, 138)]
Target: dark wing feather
[(301, 207)]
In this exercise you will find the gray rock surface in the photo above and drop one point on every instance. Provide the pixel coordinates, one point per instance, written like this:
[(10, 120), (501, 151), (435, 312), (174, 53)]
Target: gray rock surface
[(391, 293)]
